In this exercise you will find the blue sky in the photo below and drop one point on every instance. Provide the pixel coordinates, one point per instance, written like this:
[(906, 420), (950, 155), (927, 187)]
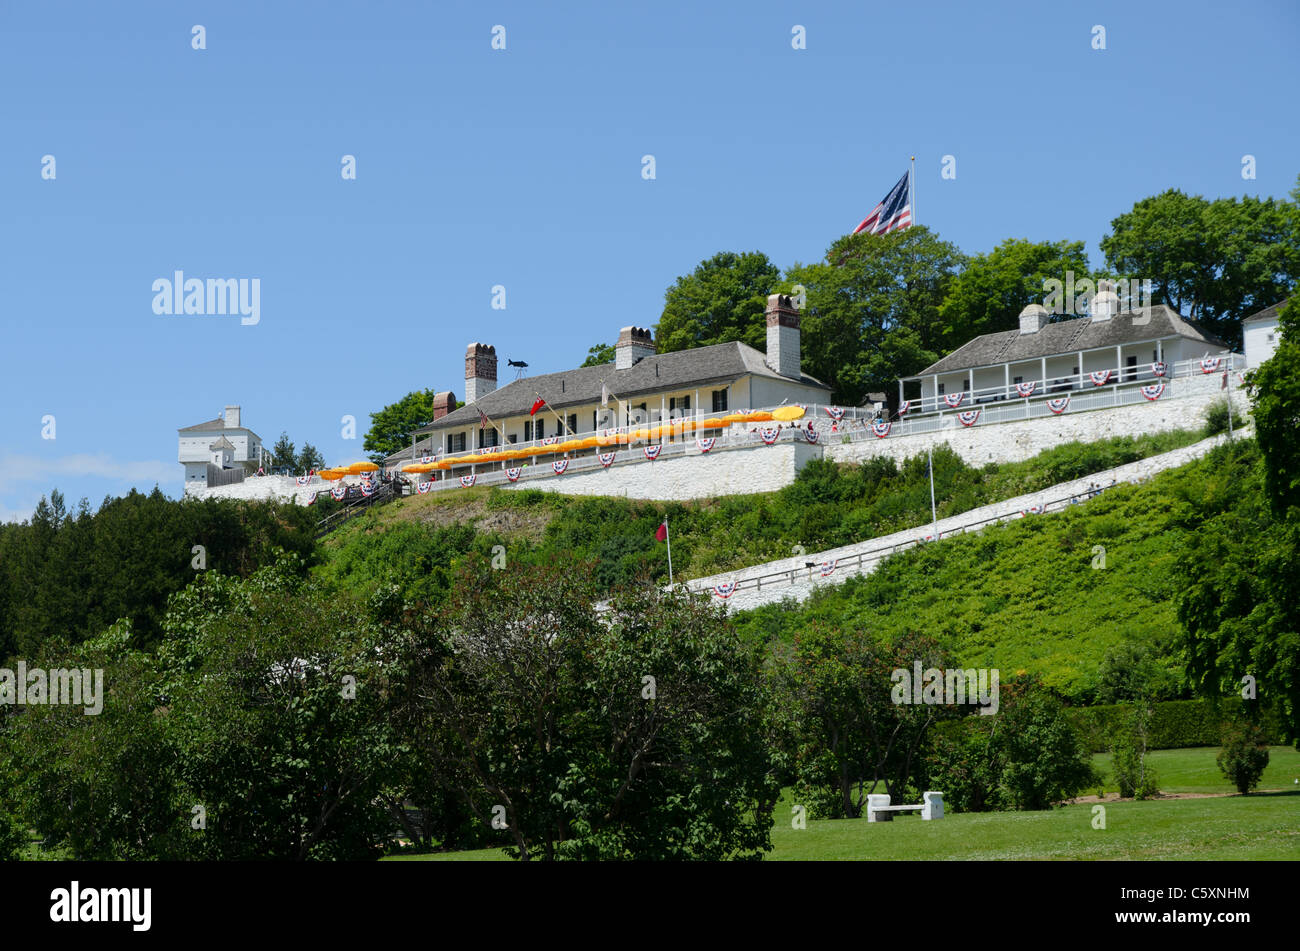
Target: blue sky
[(522, 167)]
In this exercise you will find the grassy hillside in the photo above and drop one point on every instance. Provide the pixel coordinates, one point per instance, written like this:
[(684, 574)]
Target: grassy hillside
[(416, 542), (1033, 594)]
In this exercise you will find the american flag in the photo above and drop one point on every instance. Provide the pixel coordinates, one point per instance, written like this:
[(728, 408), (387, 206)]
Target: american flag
[(894, 213), (483, 420)]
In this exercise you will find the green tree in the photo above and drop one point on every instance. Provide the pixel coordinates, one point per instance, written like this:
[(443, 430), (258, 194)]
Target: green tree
[(1275, 391), (1213, 261), (723, 299), (1042, 758), (390, 428), (310, 458), (282, 453), (872, 312), (989, 293), (638, 735), (599, 355), (1128, 753), (1244, 755)]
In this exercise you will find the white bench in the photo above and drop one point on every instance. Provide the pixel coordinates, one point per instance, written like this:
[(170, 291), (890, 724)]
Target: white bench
[(879, 809)]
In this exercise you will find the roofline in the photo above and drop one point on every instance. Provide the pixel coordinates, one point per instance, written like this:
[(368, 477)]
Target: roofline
[(986, 366)]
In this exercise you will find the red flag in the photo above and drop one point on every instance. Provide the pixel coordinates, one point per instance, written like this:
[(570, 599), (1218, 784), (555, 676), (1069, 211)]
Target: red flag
[(1225, 380), (661, 533), (536, 406)]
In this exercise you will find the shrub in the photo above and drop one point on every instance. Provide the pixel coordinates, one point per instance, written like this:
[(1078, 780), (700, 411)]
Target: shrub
[(1129, 753), (1244, 754), (1216, 418)]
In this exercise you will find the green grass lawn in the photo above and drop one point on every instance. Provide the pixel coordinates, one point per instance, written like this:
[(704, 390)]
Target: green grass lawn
[(1259, 826)]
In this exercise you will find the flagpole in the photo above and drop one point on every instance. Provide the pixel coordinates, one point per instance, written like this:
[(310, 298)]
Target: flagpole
[(934, 517), (911, 188), (669, 539)]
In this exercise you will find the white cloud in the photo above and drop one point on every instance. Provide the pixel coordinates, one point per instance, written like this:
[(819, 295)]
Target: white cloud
[(101, 465)]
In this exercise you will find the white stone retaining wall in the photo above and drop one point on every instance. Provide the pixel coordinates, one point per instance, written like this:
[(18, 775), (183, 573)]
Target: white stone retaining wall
[(265, 488), (739, 471), (800, 581)]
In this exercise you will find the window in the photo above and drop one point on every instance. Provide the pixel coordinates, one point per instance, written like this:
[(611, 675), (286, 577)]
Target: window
[(941, 389), (719, 401), (487, 437), (456, 442), (1131, 364), (965, 386), (573, 422), (679, 402), (1019, 379)]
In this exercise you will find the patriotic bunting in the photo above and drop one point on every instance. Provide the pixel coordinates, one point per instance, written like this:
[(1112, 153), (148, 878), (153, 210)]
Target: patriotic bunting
[(426, 458), (810, 434), (550, 440), (1159, 368), (1153, 392), (902, 410), (828, 567), (954, 399), (1100, 377), (606, 458), (768, 435), (467, 481), (968, 417), (1058, 406), (512, 474), (559, 465), (652, 452), (931, 538), (367, 489), (725, 590), (312, 500), (881, 428), (339, 491), (706, 444), (304, 480), (1209, 364), (1033, 510), (1026, 389), (424, 488), (834, 412)]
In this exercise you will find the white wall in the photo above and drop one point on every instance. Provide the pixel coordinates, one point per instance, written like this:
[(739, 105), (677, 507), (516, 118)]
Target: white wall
[(1261, 338), (721, 472)]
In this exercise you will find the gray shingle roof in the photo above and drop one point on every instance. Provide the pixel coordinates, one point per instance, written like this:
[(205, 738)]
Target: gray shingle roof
[(1069, 336), (222, 443), (1268, 313), (683, 369), (217, 423)]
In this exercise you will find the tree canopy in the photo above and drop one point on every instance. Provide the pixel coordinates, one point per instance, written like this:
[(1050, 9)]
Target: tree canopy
[(723, 299), (390, 428)]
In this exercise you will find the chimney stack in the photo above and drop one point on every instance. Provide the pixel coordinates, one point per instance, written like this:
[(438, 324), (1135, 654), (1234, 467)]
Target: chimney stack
[(634, 343), (444, 402), (480, 371), (783, 335), (1105, 303), (231, 417), (1033, 318)]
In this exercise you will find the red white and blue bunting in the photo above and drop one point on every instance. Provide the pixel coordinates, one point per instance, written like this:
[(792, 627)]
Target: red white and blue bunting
[(1058, 405), (512, 474), (1033, 510), (424, 487), (1209, 364), (1159, 368), (606, 459), (652, 452), (426, 458), (968, 417), (304, 480), (1026, 389), (768, 435), (1100, 377), (881, 428), (828, 567), (1153, 392), (810, 434), (367, 489), (706, 444), (931, 538), (312, 500), (339, 491), (834, 412), (559, 465), (902, 410), (954, 399), (467, 481), (724, 590)]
